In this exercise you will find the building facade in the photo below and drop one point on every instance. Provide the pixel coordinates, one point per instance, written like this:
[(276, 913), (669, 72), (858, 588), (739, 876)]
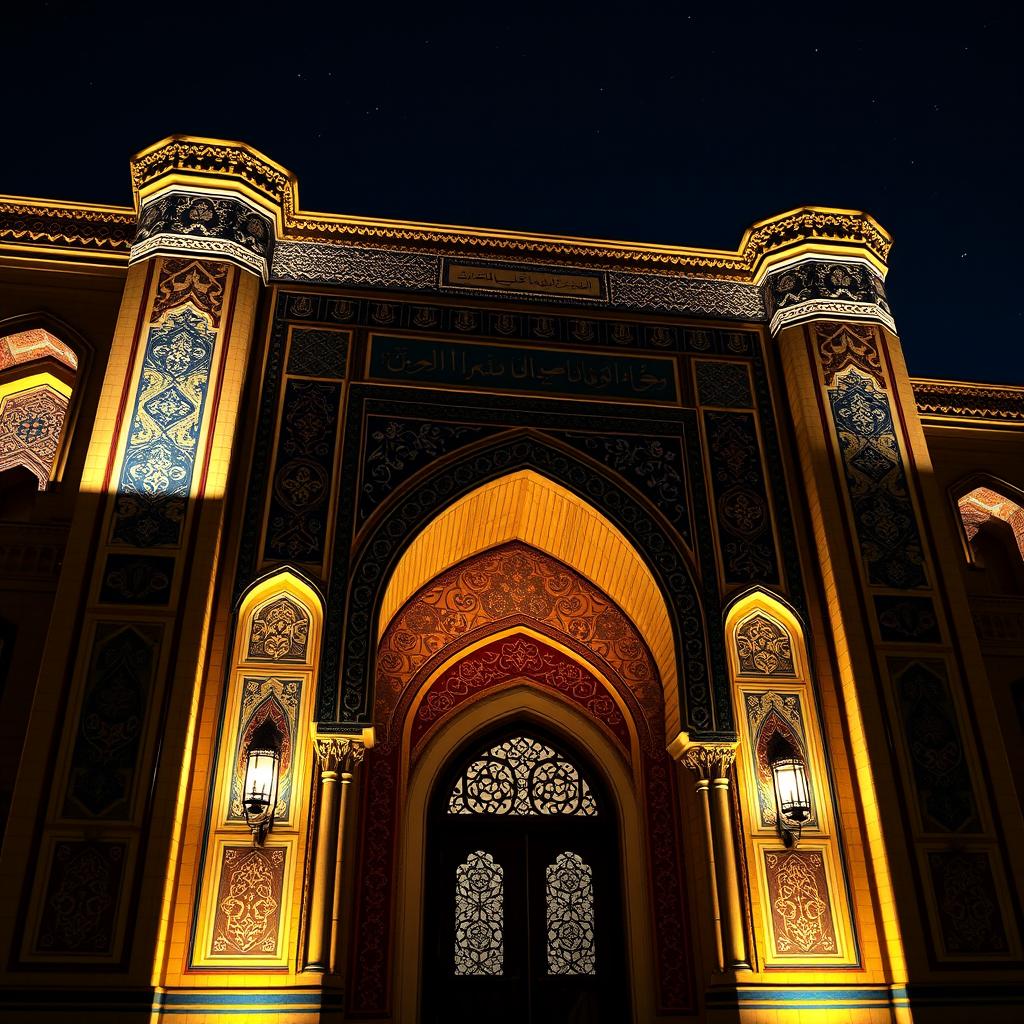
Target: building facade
[(532, 562)]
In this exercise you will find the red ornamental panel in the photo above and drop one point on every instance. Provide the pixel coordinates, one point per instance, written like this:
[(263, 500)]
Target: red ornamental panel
[(802, 923), (501, 662), (248, 913)]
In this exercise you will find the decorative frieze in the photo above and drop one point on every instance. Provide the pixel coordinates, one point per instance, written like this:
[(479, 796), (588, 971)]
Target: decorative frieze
[(367, 267), (217, 226), (816, 289), (942, 398)]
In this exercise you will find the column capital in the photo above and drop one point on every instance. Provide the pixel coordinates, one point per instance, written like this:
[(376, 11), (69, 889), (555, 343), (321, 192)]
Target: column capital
[(338, 753), (709, 760), (210, 199)]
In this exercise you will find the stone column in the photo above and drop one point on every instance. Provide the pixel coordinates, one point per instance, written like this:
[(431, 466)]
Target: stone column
[(711, 762), (107, 752), (336, 756)]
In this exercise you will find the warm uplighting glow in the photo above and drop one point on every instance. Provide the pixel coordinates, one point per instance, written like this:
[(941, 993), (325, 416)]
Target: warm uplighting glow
[(261, 776)]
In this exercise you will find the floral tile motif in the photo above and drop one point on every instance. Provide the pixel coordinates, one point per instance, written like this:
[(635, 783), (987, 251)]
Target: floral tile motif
[(201, 282), (80, 904), (968, 903), (398, 448), (280, 632), (769, 715), (938, 761), (763, 648), (741, 498), (137, 579), (156, 476), (318, 353), (111, 724), (300, 496), (30, 426), (655, 465), (884, 517), (276, 700), (724, 384)]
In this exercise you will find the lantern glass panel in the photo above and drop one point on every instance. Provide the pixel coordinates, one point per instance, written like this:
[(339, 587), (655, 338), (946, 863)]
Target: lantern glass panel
[(261, 779), (792, 789)]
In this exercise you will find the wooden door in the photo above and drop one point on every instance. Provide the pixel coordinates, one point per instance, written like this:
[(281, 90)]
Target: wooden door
[(523, 919)]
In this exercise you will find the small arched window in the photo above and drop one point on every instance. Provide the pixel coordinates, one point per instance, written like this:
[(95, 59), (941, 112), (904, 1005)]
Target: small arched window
[(38, 373), (994, 527)]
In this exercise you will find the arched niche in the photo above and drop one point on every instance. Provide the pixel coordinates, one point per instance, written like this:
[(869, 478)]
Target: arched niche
[(698, 701), (774, 698), (517, 586), (279, 621), (271, 679), (764, 638)]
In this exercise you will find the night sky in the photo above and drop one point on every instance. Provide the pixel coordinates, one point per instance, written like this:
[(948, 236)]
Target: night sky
[(627, 121)]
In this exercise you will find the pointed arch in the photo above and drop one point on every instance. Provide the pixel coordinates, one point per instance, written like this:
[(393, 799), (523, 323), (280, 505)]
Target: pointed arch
[(43, 363), (528, 706), (280, 619), (701, 699), (980, 499), (531, 509)]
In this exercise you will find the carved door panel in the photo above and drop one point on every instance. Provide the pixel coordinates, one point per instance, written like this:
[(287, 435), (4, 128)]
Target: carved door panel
[(523, 919)]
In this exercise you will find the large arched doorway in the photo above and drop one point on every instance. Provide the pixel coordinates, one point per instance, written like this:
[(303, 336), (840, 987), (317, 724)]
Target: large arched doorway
[(510, 632), (523, 920)]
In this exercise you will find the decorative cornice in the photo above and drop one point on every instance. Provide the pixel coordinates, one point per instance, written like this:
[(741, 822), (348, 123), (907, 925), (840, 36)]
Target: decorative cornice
[(947, 399), (195, 163), (215, 162), (368, 267), (93, 234), (709, 760)]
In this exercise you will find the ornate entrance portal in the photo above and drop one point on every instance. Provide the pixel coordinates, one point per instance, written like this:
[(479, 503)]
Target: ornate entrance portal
[(524, 914), (513, 638)]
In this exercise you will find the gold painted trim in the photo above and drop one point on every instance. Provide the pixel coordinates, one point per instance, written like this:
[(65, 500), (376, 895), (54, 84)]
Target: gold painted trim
[(972, 400), (235, 166)]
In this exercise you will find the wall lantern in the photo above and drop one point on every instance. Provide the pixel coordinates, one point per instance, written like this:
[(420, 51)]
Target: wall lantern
[(792, 792), (262, 763)]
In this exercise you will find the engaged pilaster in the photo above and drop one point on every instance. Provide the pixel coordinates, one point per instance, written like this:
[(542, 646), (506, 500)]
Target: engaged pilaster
[(116, 690), (337, 757), (711, 762), (909, 669)]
